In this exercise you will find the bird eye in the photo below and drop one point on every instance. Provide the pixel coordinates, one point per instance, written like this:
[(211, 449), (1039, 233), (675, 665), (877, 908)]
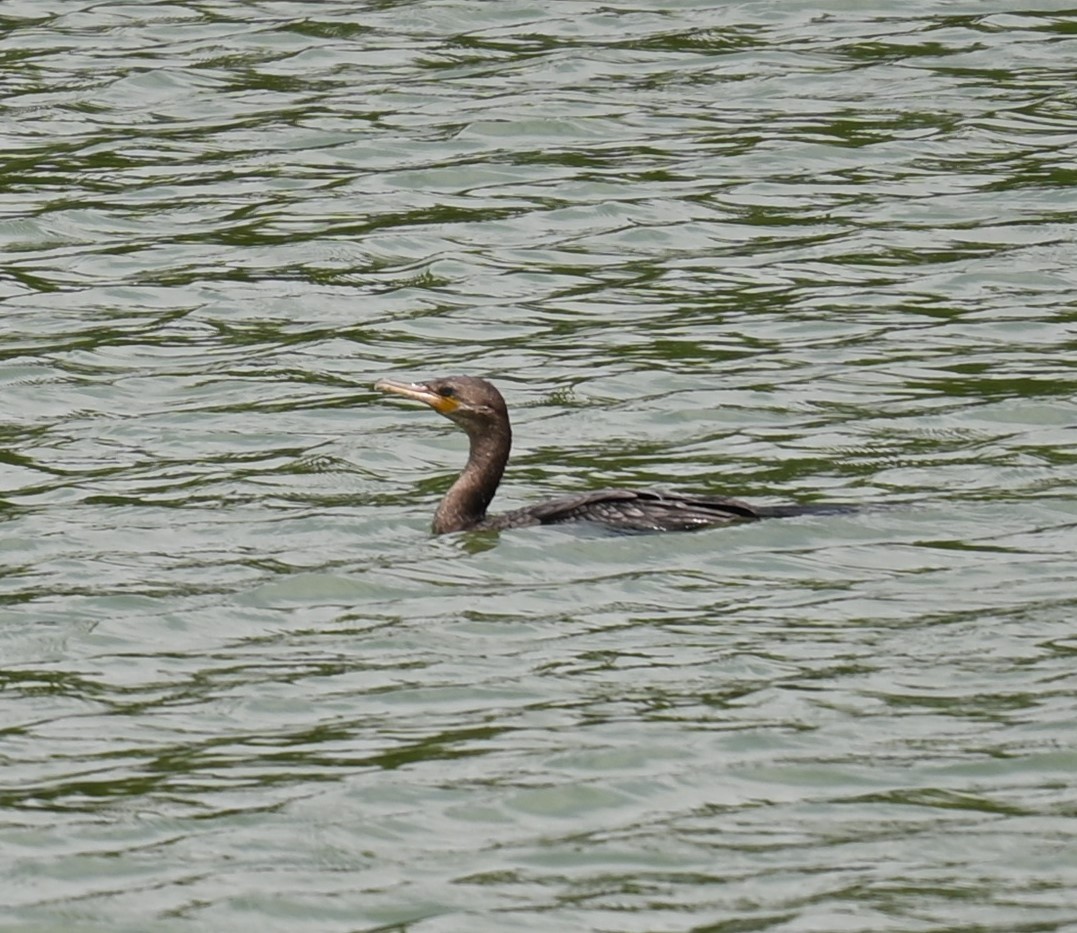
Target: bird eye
[(447, 392)]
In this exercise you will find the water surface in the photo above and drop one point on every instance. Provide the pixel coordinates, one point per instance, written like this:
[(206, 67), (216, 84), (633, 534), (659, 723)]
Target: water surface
[(791, 252)]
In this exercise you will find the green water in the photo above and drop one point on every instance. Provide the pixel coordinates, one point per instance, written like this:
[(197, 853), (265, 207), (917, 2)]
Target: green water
[(786, 251)]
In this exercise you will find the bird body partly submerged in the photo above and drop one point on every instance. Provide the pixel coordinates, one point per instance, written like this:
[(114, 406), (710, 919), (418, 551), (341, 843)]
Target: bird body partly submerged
[(627, 510), (477, 406)]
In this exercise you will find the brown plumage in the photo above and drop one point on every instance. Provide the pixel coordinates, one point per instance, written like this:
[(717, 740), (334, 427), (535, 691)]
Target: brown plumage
[(477, 407)]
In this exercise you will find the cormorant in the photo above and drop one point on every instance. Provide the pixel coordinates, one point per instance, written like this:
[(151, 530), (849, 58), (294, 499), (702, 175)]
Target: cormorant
[(477, 407)]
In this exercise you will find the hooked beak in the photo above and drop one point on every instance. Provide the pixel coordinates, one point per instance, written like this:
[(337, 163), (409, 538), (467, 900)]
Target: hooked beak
[(418, 392)]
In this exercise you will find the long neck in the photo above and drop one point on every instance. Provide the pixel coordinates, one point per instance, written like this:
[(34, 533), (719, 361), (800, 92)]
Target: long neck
[(465, 504)]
